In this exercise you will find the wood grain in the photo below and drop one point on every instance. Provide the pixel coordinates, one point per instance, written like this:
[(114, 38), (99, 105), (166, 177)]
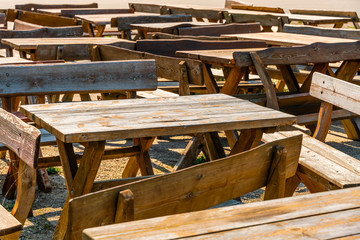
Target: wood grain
[(34, 6), (222, 29), (8, 223), (159, 196)]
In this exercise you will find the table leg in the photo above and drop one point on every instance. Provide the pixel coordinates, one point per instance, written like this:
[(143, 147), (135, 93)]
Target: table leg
[(248, 139), (232, 80), (78, 181), (209, 79), (100, 30), (141, 160), (88, 26)]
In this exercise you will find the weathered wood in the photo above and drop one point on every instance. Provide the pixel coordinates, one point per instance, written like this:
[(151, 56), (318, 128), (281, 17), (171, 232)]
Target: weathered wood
[(319, 31), (72, 12), (40, 18), (212, 15), (335, 13), (8, 223), (324, 121), (167, 27), (145, 7), (257, 8), (19, 137), (222, 29), (288, 39), (166, 67), (265, 19), (35, 6), (314, 53), (178, 116), (125, 207), (169, 47), (192, 150), (171, 36), (135, 75), (123, 23), (199, 183), (327, 215)]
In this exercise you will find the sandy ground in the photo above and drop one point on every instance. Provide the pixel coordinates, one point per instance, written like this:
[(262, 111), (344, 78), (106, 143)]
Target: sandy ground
[(164, 154)]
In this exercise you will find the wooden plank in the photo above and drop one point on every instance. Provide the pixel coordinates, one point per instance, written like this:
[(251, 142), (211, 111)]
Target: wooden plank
[(35, 6), (169, 47), (8, 223), (44, 19), (42, 79), (265, 19), (240, 217), (20, 137), (257, 8), (335, 91), (171, 36), (72, 12), (185, 114), (123, 23), (222, 29), (320, 31), (334, 13), (198, 183), (314, 53), (145, 7), (207, 13)]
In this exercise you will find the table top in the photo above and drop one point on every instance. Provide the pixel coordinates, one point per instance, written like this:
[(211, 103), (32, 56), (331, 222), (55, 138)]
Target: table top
[(135, 118), (104, 19), (8, 223), (13, 60), (328, 215), (219, 56), (288, 39), (158, 27), (316, 19), (32, 43)]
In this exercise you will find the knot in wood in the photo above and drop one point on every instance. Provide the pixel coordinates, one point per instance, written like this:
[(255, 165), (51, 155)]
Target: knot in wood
[(200, 176), (190, 195)]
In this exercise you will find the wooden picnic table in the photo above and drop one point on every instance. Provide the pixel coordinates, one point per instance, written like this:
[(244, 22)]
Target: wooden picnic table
[(92, 123), (328, 215), (99, 21), (54, 48), (268, 19), (8, 223), (169, 27), (287, 39)]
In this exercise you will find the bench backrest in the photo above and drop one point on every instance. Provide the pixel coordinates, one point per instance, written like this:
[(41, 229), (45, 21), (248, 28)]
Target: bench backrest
[(166, 67), (169, 47), (145, 7), (319, 31), (72, 12), (257, 8), (173, 36), (212, 15), (34, 6), (191, 189), (20, 137), (95, 77), (232, 28), (336, 91), (266, 20), (314, 53), (123, 23), (42, 19)]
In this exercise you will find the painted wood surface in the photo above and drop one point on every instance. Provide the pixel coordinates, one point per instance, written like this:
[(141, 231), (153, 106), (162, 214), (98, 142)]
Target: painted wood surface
[(152, 117), (202, 186), (43, 79), (333, 214), (8, 223)]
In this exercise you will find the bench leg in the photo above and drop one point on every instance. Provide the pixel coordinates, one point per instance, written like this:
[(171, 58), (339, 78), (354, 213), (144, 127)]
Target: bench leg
[(312, 186), (25, 195), (9, 187)]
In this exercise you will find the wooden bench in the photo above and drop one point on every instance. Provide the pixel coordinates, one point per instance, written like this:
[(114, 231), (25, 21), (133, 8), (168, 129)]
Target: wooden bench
[(185, 71), (319, 31), (83, 78), (173, 36), (145, 7), (48, 20), (191, 189), (123, 23), (23, 141), (34, 6), (351, 14), (8, 223), (211, 15), (322, 167)]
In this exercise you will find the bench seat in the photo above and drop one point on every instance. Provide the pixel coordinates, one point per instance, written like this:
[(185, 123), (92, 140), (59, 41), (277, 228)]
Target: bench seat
[(323, 164), (8, 223)]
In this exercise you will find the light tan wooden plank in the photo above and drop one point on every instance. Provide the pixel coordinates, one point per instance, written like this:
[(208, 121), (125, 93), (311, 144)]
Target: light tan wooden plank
[(8, 223), (228, 218)]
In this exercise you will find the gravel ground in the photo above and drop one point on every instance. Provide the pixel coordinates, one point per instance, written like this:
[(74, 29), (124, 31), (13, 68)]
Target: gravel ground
[(164, 152)]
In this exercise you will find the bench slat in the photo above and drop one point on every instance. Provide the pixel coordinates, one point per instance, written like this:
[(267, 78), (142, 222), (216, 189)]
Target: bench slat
[(8, 223)]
